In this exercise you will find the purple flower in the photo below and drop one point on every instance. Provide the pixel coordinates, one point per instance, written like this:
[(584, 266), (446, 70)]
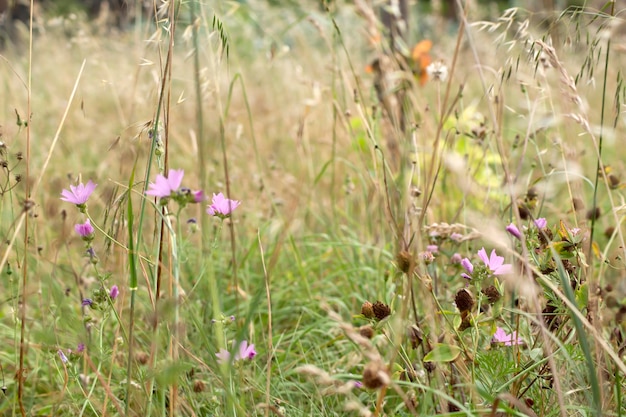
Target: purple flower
[(80, 348), (514, 231), (432, 248), (163, 187), (357, 384), (114, 292), (87, 302), (198, 196), (223, 356), (500, 336), (467, 265), (457, 237), (62, 356), (541, 223), (246, 351), (456, 258), (427, 257), (78, 194), (84, 229), (495, 263), (222, 207)]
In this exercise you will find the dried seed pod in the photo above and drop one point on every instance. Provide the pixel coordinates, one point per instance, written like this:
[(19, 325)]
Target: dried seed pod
[(366, 331), (405, 261), (464, 300), (375, 375), (367, 309), (492, 293), (381, 310)]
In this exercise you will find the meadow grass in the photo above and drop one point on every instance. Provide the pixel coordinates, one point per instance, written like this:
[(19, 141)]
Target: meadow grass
[(355, 262)]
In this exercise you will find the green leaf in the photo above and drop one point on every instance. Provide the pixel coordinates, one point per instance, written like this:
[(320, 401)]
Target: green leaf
[(443, 353)]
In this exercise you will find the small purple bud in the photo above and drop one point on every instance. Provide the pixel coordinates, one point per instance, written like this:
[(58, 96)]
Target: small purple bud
[(467, 264), (80, 348), (87, 302), (514, 231), (62, 356), (114, 292)]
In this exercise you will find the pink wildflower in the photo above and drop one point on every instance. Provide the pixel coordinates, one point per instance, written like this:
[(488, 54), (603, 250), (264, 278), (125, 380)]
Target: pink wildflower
[(500, 336), (246, 351), (78, 194), (222, 207), (84, 229), (495, 263), (198, 196), (541, 223), (457, 237), (163, 187), (114, 292)]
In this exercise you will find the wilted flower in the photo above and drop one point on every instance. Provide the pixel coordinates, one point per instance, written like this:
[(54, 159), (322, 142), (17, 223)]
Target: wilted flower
[(495, 263), (78, 194), (84, 229), (427, 257), (222, 207), (514, 231), (500, 336), (163, 187)]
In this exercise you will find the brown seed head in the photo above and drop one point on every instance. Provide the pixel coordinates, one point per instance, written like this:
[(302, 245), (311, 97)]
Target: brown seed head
[(614, 181), (381, 310), (594, 214), (524, 212), (375, 375), (578, 204), (198, 386), (142, 358), (367, 309), (366, 331), (464, 300), (405, 261), (416, 336), (492, 294)]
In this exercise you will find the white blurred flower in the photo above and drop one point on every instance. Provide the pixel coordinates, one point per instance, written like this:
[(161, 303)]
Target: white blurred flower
[(437, 71)]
